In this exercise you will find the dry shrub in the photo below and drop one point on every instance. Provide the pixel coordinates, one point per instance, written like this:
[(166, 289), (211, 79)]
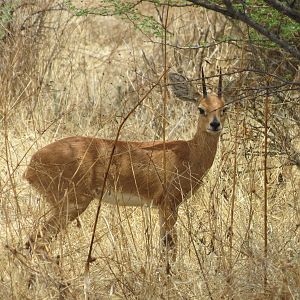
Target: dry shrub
[(64, 75)]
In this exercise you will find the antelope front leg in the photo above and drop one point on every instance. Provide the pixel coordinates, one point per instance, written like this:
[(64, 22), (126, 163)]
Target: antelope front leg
[(168, 217)]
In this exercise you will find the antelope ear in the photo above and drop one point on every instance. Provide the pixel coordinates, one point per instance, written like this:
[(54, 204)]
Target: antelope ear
[(183, 88)]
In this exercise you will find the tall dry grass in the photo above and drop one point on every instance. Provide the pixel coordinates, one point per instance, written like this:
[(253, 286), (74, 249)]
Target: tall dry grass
[(63, 76)]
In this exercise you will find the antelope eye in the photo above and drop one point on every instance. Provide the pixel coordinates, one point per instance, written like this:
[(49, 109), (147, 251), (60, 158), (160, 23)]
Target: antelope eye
[(224, 110), (201, 110)]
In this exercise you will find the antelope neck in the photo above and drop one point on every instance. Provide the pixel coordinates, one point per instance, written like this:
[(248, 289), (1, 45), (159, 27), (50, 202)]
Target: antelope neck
[(204, 146)]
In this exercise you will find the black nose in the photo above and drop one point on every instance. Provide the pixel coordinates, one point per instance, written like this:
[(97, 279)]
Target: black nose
[(215, 124)]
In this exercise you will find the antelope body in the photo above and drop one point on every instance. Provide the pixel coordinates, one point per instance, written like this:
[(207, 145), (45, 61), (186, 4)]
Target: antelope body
[(70, 172)]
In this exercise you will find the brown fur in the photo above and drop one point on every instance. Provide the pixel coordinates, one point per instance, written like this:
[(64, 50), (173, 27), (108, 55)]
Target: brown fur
[(70, 172)]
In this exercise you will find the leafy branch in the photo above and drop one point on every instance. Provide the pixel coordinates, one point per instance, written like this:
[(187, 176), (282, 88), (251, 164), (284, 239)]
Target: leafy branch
[(6, 16), (124, 10), (262, 24), (277, 21)]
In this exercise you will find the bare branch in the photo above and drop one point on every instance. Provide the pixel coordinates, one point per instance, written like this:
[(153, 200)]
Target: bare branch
[(230, 11), (291, 13), (211, 6)]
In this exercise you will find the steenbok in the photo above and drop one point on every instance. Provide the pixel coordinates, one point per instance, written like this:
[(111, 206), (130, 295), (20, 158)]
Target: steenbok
[(70, 172)]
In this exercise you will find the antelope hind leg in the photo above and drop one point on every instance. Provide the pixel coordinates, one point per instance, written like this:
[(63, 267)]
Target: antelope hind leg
[(61, 216)]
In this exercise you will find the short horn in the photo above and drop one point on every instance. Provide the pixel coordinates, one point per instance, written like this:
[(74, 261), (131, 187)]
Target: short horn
[(220, 85), (204, 85)]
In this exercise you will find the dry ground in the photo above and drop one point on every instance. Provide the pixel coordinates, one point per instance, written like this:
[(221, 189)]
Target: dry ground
[(97, 73)]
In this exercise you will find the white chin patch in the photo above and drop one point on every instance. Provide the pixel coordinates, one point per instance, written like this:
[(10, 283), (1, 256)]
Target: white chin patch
[(213, 131)]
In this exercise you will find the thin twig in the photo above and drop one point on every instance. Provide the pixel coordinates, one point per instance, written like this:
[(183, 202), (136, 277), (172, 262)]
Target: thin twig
[(89, 257), (165, 95), (266, 189), (233, 197)]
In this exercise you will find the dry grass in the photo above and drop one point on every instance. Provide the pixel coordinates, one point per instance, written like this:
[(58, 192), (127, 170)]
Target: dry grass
[(81, 80)]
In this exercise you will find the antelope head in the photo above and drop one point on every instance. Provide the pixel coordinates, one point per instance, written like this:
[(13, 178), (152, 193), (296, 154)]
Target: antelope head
[(211, 107)]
